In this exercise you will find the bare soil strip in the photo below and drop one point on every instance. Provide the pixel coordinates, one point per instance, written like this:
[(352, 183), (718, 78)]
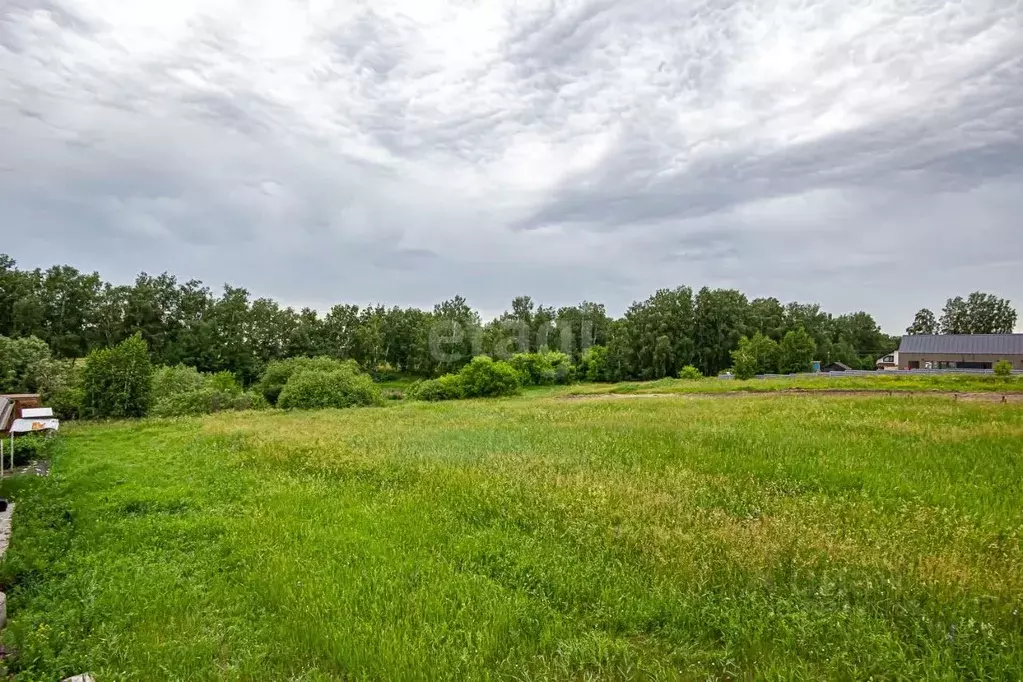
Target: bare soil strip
[(972, 397)]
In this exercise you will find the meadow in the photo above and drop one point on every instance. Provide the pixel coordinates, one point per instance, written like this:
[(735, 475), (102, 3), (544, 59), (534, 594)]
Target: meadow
[(880, 382), (787, 537)]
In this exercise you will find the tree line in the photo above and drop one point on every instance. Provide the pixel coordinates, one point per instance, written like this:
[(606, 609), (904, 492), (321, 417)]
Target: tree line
[(189, 324)]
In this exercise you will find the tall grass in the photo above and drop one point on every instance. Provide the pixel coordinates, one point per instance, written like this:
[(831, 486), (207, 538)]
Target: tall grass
[(881, 382), (528, 539)]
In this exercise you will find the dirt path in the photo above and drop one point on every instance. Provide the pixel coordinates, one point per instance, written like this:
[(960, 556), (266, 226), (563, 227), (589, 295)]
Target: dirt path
[(970, 397)]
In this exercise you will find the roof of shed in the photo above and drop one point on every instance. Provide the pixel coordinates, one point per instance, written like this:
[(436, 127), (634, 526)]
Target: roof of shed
[(964, 344)]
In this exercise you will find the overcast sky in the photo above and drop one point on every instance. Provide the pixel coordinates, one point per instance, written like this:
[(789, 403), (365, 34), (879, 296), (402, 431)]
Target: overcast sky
[(865, 154)]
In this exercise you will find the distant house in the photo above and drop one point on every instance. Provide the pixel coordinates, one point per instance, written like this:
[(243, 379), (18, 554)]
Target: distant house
[(960, 351), (890, 361)]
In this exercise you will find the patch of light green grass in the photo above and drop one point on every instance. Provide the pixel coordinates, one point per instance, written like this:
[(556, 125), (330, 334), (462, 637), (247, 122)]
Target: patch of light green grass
[(529, 538)]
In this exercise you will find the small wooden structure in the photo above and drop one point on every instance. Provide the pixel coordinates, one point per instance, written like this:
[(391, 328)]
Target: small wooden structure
[(20, 414), (11, 406)]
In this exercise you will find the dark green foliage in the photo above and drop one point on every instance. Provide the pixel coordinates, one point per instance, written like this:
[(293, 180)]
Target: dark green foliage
[(690, 373), (796, 352), (486, 378), (979, 313), (208, 401), (755, 355), (62, 389), (384, 372), (545, 368), (594, 365), (447, 387), (172, 381), (117, 381), (923, 323), (481, 378), (342, 387), (29, 447), (180, 390), (1003, 368), (227, 331), (279, 372), (23, 364), (744, 364)]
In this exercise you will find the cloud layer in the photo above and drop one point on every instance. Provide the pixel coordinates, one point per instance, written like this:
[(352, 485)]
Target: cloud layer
[(867, 154)]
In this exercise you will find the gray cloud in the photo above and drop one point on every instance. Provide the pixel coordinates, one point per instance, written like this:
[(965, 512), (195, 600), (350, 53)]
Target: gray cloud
[(867, 154)]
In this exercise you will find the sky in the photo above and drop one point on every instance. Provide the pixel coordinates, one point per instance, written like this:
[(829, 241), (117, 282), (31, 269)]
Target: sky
[(863, 154)]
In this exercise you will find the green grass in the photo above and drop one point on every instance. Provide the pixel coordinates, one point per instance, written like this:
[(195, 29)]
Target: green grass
[(950, 383), (796, 537)]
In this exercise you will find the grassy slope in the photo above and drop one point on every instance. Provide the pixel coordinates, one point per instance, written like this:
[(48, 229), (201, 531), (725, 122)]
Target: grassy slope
[(529, 538), (957, 383)]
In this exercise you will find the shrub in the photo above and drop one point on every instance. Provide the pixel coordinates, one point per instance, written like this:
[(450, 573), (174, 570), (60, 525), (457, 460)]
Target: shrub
[(1003, 368), (690, 373), (759, 355), (29, 447), (277, 373), (117, 382), (224, 382), (384, 372), (744, 364), (544, 368), (796, 352), (564, 370), (447, 387), (534, 369), (169, 381), (392, 394), (208, 401), (485, 378), (344, 387), (593, 366), (61, 388)]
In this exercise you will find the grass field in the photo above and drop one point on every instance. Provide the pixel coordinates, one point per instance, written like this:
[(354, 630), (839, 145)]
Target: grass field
[(790, 537), (880, 382)]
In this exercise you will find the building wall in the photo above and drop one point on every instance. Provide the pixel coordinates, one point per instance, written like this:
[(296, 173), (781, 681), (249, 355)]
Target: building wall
[(905, 358)]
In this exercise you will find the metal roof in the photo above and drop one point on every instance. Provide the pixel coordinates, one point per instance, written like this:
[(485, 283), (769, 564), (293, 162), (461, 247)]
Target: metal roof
[(964, 344)]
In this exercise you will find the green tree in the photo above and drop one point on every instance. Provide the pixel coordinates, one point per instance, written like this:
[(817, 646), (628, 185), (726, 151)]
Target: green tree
[(923, 323), (980, 313), (796, 352), (757, 354), (24, 363), (117, 382), (721, 318)]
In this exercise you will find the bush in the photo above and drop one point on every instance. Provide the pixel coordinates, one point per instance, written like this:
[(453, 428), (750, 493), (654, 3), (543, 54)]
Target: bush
[(277, 373), (545, 368), (795, 352), (384, 372), (744, 364), (170, 381), (447, 387), (1003, 368), (593, 366), (28, 447), (117, 382), (485, 378), (535, 369), (208, 401), (690, 373), (223, 382), (61, 388), (340, 388)]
